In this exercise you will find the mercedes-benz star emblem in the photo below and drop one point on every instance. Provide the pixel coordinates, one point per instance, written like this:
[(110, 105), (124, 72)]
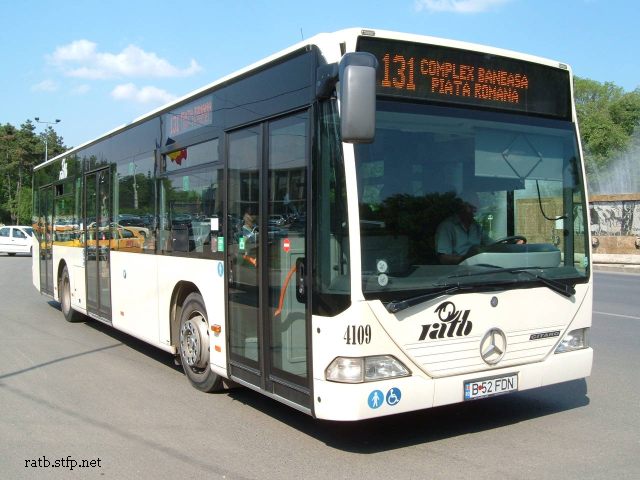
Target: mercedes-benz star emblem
[(493, 346)]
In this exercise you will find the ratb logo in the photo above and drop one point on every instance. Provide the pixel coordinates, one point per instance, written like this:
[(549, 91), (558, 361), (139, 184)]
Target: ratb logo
[(453, 323)]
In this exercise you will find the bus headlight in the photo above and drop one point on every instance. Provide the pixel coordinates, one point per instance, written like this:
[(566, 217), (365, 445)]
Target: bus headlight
[(365, 369), (574, 340)]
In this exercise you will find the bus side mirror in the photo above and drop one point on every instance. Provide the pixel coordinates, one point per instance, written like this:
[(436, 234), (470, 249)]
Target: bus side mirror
[(358, 97)]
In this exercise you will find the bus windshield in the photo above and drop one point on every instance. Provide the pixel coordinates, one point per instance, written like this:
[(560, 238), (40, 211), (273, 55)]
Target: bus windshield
[(446, 194)]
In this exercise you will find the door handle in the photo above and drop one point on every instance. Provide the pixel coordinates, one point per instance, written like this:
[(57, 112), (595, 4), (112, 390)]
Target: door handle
[(301, 288), (230, 269)]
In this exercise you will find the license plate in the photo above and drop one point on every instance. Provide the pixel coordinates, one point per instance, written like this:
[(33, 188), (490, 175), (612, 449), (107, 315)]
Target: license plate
[(488, 387)]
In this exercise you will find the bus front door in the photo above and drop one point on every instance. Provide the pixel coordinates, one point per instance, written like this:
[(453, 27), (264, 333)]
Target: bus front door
[(44, 233), (98, 234), (268, 312)]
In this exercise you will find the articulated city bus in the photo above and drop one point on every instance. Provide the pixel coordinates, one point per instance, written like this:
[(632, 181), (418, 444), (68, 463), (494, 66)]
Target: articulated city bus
[(364, 224)]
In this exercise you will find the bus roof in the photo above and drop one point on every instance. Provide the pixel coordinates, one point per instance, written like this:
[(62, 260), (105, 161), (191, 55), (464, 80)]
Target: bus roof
[(329, 45)]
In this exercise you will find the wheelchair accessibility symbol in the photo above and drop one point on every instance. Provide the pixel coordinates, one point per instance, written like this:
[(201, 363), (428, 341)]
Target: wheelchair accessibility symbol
[(393, 396), (377, 398)]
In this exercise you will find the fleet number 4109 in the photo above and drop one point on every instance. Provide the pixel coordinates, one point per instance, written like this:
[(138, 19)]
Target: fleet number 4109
[(358, 335)]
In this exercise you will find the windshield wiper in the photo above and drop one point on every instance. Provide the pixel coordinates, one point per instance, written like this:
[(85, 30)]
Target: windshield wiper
[(561, 288), (395, 307)]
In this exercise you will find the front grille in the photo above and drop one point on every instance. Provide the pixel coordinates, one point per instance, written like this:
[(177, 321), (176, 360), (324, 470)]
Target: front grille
[(447, 357)]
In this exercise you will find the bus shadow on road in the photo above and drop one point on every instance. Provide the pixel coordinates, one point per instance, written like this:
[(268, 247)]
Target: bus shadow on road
[(394, 431), (138, 345), (430, 425)]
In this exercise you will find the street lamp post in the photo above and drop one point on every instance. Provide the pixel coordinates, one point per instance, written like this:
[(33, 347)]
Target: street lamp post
[(46, 150)]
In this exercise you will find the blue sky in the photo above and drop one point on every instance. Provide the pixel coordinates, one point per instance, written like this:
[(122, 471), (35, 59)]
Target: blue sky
[(97, 65)]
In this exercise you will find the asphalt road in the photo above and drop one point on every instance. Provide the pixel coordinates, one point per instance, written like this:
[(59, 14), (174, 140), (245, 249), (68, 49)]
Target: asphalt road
[(87, 392)]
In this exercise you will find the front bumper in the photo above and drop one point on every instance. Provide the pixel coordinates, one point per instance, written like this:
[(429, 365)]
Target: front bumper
[(346, 402)]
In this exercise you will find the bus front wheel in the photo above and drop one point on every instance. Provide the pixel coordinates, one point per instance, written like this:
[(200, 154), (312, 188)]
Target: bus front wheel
[(195, 346)]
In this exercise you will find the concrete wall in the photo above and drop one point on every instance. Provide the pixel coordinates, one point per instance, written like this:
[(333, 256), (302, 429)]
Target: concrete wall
[(537, 229), (615, 225)]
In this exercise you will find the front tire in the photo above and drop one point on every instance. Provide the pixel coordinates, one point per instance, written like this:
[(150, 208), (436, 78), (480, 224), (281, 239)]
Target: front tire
[(193, 338), (64, 288)]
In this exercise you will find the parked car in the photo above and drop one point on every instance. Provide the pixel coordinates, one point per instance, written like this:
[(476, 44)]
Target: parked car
[(114, 237), (272, 233), (277, 220), (131, 221), (16, 239)]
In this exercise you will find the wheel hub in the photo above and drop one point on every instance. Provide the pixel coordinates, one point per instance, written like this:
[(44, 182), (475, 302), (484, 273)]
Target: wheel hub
[(194, 341)]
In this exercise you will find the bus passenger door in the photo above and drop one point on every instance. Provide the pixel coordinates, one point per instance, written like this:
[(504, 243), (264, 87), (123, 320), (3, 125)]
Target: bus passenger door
[(243, 254), (266, 257), (287, 312), (44, 233), (98, 219)]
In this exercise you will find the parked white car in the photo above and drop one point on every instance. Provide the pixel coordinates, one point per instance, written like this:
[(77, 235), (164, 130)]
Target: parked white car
[(16, 239)]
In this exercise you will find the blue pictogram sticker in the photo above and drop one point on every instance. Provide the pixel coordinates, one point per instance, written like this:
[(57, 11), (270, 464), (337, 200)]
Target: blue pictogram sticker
[(467, 391), (376, 398), (393, 396), (220, 269)]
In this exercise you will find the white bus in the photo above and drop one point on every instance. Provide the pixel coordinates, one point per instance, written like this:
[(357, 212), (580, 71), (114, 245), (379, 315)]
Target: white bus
[(297, 227)]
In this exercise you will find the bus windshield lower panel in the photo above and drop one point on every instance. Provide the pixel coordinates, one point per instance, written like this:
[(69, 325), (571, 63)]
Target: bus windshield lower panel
[(446, 194)]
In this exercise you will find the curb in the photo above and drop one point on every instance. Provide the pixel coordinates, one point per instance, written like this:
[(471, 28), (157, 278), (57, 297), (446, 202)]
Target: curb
[(616, 268)]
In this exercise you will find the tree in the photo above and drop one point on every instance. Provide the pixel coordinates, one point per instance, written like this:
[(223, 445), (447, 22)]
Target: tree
[(54, 145), (8, 142), (608, 118), (20, 151), (25, 206)]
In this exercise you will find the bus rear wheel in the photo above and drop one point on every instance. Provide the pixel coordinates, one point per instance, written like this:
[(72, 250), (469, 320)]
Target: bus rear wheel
[(64, 288), (195, 346)]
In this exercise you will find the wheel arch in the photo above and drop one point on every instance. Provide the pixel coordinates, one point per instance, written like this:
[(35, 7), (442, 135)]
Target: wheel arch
[(61, 266), (180, 292)]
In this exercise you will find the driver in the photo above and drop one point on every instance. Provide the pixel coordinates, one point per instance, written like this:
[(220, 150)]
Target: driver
[(458, 233)]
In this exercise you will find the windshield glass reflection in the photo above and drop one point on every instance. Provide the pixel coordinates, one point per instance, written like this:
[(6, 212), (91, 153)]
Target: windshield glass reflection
[(446, 191)]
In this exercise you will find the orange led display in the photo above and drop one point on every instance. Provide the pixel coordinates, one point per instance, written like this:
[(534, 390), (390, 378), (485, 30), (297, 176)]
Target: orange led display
[(404, 72), (450, 75), (189, 117), (447, 78)]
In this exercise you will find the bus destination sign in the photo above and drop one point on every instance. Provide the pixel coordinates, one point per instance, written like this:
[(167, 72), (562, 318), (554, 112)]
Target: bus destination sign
[(462, 77), (189, 117)]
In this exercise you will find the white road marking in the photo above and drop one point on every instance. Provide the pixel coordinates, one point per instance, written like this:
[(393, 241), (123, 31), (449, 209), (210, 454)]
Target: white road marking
[(616, 315)]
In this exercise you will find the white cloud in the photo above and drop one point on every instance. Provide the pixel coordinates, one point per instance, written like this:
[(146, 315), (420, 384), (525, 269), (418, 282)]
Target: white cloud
[(81, 59), (459, 6), (80, 90), (149, 94), (45, 86)]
